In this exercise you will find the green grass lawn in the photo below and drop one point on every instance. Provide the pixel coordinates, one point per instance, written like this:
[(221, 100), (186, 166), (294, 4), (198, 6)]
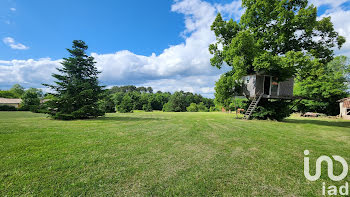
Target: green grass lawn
[(165, 154)]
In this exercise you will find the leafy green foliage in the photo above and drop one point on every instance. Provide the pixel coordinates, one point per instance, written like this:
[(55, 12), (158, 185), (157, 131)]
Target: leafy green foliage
[(192, 108), (197, 107), (239, 102), (125, 99), (7, 108), (8, 94), (147, 107), (106, 104), (323, 87), (130, 88), (213, 109), (31, 100), (77, 90), (126, 105), (273, 37), (225, 89), (272, 110), (202, 107), (179, 101), (18, 90), (268, 36), (142, 97)]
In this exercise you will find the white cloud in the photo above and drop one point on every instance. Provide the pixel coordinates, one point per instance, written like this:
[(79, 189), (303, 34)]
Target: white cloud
[(176, 65), (331, 3), (231, 10), (13, 9), (340, 19), (13, 44), (30, 73), (185, 66)]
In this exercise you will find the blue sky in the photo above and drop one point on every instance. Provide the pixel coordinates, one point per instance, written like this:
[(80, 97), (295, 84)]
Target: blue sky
[(48, 27), (158, 43)]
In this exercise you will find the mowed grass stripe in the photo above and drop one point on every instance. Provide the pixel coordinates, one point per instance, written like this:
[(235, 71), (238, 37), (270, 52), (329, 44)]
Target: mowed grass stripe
[(164, 154)]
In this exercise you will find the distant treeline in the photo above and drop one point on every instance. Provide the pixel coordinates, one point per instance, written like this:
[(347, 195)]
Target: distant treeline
[(128, 98), (121, 99)]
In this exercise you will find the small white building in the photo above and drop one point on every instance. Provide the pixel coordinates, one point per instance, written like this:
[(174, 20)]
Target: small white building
[(344, 108)]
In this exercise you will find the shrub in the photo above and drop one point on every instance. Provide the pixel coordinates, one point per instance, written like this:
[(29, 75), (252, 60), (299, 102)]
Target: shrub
[(167, 107), (192, 108), (8, 94), (126, 105), (177, 102), (62, 116), (213, 109), (147, 107), (30, 100), (7, 108), (273, 110), (106, 104), (240, 103), (202, 107)]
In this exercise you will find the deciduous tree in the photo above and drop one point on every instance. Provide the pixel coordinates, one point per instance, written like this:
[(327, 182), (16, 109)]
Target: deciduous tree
[(281, 38), (324, 86)]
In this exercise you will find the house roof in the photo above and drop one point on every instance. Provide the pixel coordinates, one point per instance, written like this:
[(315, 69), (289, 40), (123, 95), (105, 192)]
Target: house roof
[(346, 102), (10, 101), (344, 99)]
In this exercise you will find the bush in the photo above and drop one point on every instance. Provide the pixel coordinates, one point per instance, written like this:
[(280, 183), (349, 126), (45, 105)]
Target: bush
[(272, 110), (126, 104), (147, 107), (8, 94), (30, 100), (192, 108), (213, 109), (202, 107), (106, 104), (167, 107), (62, 116), (177, 102), (240, 103), (7, 108)]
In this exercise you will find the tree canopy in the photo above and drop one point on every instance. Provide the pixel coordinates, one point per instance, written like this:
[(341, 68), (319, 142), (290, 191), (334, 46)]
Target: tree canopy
[(276, 37), (16, 91), (31, 100), (281, 38), (226, 88), (324, 86)]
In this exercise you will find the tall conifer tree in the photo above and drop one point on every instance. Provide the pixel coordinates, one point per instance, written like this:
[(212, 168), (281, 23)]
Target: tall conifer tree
[(77, 89)]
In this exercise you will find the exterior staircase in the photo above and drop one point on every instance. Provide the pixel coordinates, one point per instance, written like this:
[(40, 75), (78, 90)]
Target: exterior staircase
[(252, 107)]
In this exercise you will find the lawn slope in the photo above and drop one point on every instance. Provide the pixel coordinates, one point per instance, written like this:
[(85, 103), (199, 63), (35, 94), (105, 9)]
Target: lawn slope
[(162, 154)]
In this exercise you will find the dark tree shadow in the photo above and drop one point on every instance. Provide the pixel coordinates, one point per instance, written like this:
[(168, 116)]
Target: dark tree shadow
[(344, 124)]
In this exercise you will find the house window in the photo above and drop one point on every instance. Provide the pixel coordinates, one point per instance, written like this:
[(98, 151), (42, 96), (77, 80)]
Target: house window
[(274, 86), (348, 111), (247, 79)]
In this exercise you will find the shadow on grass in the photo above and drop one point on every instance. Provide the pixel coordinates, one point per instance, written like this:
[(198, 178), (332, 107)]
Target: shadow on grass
[(126, 118), (320, 122)]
